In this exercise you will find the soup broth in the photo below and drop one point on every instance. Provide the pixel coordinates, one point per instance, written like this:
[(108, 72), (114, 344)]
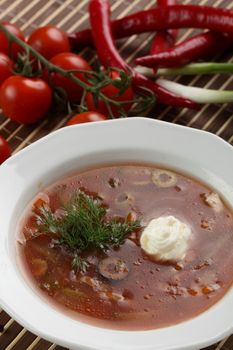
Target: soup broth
[(136, 291)]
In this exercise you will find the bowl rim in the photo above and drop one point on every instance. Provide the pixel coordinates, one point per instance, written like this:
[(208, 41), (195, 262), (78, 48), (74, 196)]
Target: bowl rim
[(68, 134)]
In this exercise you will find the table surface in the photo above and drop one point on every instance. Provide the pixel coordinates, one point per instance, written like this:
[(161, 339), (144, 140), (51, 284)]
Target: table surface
[(72, 15)]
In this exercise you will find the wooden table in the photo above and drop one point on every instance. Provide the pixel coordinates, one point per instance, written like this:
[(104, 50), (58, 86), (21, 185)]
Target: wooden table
[(72, 15)]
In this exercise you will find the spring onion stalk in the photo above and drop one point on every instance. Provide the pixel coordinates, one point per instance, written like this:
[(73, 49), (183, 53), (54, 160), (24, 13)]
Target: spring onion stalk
[(199, 68), (148, 72), (199, 95), (189, 69)]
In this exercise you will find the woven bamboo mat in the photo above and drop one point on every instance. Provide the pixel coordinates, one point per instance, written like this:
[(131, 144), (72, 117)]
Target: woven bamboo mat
[(72, 15)]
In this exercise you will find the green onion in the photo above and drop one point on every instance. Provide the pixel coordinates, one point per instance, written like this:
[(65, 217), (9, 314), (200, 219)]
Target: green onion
[(199, 68), (189, 69), (199, 95)]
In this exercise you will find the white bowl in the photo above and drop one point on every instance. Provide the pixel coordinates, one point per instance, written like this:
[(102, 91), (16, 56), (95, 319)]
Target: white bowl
[(200, 154)]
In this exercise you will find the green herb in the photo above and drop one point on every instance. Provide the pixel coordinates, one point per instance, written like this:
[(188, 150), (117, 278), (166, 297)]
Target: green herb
[(79, 264), (84, 226)]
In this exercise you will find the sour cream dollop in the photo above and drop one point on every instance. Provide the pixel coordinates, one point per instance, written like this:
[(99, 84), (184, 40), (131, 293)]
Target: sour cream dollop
[(166, 239)]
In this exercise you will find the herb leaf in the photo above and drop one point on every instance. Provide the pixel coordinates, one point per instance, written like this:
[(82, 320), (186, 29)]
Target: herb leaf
[(79, 264), (84, 226)]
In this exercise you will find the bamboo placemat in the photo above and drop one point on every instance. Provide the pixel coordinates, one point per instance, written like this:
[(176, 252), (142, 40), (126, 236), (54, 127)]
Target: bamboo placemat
[(72, 15)]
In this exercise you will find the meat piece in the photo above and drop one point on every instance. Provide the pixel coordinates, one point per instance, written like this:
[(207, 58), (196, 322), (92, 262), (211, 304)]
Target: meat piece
[(213, 200)]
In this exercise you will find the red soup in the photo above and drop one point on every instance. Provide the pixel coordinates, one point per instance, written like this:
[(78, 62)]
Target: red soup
[(80, 241)]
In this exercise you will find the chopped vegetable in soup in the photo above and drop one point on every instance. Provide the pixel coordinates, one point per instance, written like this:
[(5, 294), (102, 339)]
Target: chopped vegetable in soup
[(129, 246)]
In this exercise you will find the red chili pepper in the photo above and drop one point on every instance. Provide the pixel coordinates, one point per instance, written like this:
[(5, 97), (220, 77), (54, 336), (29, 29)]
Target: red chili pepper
[(80, 39), (199, 46), (165, 39), (172, 17), (110, 57), (102, 35), (163, 95), (178, 16)]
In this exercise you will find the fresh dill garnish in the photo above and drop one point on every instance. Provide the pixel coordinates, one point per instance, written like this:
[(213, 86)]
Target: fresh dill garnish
[(84, 226), (79, 263)]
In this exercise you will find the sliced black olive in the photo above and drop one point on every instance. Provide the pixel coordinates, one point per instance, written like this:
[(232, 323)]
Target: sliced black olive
[(164, 178), (113, 268)]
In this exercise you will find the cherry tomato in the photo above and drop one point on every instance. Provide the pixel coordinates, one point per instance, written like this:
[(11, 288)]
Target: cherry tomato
[(86, 117), (4, 42), (110, 91), (6, 67), (69, 61), (49, 41), (5, 150), (25, 100)]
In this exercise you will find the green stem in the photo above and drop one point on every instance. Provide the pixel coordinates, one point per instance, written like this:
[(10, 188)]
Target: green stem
[(82, 102), (198, 68)]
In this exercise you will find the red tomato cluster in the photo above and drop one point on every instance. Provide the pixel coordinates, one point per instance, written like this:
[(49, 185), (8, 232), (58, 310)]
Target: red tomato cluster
[(26, 99)]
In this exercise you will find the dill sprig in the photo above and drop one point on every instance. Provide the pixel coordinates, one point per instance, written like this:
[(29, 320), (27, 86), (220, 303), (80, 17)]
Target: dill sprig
[(79, 263), (84, 226)]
